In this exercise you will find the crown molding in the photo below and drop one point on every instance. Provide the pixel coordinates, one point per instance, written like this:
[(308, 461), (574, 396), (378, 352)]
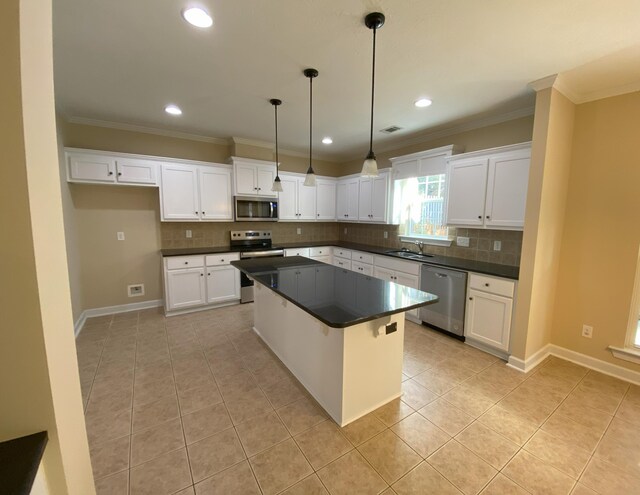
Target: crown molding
[(609, 92), (557, 82), (147, 130), (458, 128)]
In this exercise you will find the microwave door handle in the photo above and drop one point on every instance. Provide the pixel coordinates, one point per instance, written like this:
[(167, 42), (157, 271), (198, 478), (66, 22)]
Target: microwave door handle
[(270, 209)]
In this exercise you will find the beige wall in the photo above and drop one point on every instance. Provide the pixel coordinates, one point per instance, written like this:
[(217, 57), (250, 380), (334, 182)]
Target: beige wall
[(544, 222), (38, 371), (109, 265), (602, 229), (511, 132)]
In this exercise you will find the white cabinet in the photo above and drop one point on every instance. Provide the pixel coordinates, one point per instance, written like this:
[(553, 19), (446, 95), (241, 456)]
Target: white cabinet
[(372, 199), (185, 288), (489, 188), (253, 177), (297, 252), (296, 201), (325, 199), (196, 193), (197, 281), (103, 168), (401, 272), (489, 311), (347, 199), (363, 268)]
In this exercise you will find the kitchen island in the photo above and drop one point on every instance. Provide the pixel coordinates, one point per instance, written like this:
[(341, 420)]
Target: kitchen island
[(339, 332)]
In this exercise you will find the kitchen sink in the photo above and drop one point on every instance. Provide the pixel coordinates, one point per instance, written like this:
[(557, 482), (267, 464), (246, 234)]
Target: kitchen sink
[(409, 254)]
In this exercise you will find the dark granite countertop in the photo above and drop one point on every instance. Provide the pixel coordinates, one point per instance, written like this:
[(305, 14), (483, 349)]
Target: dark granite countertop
[(337, 297), (19, 462), (506, 271)]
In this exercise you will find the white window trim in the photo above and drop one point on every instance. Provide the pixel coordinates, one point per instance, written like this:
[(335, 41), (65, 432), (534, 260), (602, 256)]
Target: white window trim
[(428, 240), (630, 352)]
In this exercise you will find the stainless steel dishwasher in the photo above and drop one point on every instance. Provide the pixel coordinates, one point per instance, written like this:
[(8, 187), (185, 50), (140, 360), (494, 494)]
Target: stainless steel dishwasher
[(450, 286)]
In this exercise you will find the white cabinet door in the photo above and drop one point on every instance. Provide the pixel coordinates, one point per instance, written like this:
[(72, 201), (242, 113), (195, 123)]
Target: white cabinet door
[(325, 200), (384, 273), (265, 176), (507, 189), (179, 192), (306, 201), (133, 171), (466, 192), (488, 318), (364, 200), (246, 180), (185, 288), (223, 284), (363, 268), (379, 190), (322, 259), (342, 201), (84, 167), (347, 199), (287, 205), (216, 201)]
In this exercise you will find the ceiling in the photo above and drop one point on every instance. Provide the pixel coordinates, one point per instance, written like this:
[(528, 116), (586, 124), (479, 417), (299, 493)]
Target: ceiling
[(122, 61)]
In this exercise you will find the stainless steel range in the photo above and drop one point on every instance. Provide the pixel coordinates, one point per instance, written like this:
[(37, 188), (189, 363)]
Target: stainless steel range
[(252, 244)]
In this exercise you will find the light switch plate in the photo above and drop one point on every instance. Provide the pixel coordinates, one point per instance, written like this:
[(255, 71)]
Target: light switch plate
[(462, 241), (299, 231), (120, 236), (188, 234), (497, 245), (386, 234)]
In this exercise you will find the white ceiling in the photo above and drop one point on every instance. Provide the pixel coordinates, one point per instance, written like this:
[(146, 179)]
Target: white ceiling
[(123, 61)]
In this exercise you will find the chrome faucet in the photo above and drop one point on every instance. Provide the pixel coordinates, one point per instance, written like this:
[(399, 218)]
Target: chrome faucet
[(420, 245)]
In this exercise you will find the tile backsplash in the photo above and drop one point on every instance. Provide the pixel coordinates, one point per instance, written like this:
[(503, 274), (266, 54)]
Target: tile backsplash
[(217, 234), (480, 242)]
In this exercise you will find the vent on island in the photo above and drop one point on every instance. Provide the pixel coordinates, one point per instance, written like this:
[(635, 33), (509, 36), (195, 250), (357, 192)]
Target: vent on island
[(391, 129)]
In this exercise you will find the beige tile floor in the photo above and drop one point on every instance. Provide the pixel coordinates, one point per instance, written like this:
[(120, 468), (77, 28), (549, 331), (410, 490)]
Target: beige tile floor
[(197, 404)]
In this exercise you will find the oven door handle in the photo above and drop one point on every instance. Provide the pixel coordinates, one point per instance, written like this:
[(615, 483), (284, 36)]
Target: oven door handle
[(261, 254)]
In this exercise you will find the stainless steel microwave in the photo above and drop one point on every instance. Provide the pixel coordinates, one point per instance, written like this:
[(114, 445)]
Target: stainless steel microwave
[(248, 209)]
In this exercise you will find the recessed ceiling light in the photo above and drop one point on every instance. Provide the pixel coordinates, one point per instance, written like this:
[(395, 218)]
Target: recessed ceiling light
[(423, 102), (197, 17), (327, 140), (173, 110)]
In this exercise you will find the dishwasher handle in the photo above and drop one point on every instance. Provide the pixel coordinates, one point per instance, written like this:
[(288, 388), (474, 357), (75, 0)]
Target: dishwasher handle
[(441, 275)]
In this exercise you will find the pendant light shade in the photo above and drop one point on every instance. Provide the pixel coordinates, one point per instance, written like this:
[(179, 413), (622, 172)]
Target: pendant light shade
[(277, 185), (310, 179), (373, 21)]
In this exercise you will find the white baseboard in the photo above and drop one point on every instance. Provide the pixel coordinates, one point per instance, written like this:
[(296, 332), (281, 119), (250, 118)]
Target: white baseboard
[(110, 310), (575, 357)]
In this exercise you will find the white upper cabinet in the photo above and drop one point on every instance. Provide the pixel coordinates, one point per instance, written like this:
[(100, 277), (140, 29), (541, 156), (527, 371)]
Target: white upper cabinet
[(104, 168), (179, 192), (489, 188), (196, 193), (253, 177), (325, 199), (372, 199), (347, 199), (296, 201)]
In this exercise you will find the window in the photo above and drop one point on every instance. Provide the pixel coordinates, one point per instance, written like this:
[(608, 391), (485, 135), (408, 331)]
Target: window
[(418, 206)]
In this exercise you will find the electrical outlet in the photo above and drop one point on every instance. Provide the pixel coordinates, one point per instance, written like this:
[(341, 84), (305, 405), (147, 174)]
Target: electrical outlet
[(299, 231), (497, 245), (120, 236), (188, 234), (587, 331), (135, 290), (462, 241), (386, 234)]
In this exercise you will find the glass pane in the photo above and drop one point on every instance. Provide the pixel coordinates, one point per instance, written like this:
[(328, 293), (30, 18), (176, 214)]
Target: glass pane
[(419, 206)]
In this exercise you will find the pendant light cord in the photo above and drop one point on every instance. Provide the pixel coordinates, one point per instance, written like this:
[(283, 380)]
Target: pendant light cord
[(310, 120), (277, 161), (373, 84)]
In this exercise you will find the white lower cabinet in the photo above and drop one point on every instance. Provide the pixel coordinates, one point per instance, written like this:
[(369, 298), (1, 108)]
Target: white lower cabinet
[(401, 272), (489, 311), (200, 281)]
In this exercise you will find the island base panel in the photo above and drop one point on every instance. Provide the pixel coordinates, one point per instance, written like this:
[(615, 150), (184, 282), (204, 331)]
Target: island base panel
[(349, 371)]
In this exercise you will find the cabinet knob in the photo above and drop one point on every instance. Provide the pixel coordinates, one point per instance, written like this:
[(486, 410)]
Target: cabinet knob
[(110, 173), (196, 212), (202, 274), (209, 274), (203, 212), (221, 261), (186, 262), (318, 214), (480, 217), (471, 299), (487, 284), (488, 216), (119, 174)]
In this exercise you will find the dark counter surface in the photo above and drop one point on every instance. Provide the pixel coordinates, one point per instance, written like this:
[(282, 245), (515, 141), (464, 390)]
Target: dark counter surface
[(506, 271), (337, 297), (19, 462)]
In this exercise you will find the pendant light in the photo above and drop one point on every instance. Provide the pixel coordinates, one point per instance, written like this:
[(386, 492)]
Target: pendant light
[(277, 185), (373, 21), (310, 179)]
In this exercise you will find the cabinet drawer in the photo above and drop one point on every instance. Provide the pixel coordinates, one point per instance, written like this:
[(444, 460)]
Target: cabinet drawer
[(297, 252), (499, 286), (175, 262), (221, 259), (342, 253), (319, 251), (342, 263), (398, 265), (363, 268), (362, 257)]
